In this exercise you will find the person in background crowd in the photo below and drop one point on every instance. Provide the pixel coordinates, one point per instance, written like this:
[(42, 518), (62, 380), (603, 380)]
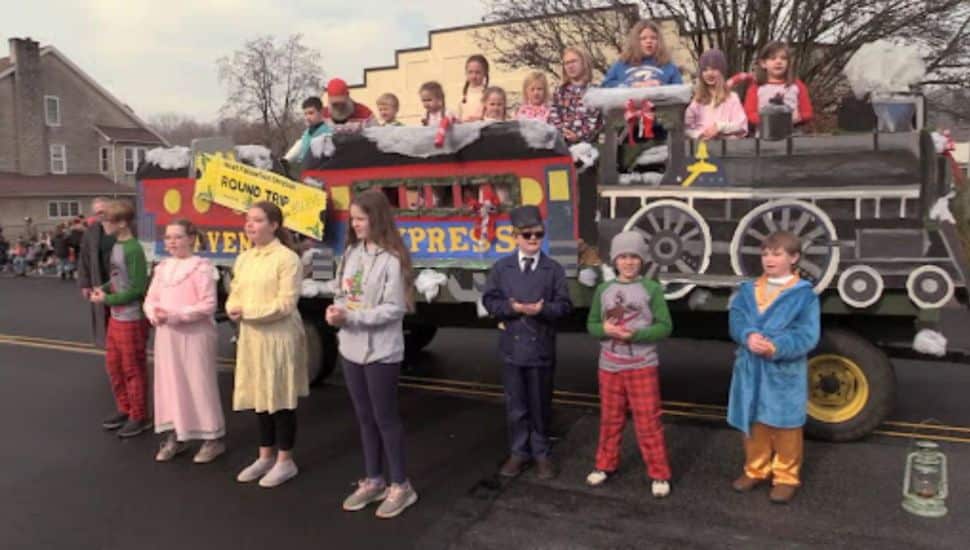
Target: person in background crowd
[(315, 126), (180, 303), (375, 290), (645, 60), (433, 100), (476, 80), (776, 83), (715, 112), (567, 113), (62, 251), (4, 251), (387, 108), (526, 293), (494, 105), (342, 113), (18, 258), (271, 356), (535, 98), (92, 266), (127, 334)]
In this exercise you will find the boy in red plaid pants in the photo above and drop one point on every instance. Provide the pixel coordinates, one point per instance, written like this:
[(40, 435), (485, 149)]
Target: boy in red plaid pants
[(127, 328), (629, 315)]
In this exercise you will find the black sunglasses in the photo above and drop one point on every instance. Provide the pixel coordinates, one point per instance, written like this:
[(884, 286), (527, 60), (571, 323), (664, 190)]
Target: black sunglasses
[(527, 235)]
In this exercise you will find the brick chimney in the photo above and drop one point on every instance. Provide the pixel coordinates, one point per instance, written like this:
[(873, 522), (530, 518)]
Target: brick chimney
[(32, 154)]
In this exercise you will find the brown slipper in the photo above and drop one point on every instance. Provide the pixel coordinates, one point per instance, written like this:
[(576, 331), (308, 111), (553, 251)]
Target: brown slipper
[(745, 484)]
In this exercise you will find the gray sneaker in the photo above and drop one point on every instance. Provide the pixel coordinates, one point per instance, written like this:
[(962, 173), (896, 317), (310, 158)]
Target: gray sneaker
[(134, 427), (169, 449), (398, 498), (209, 451), (367, 491)]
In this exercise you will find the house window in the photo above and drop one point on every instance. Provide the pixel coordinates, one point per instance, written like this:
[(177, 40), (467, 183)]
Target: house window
[(63, 209), (134, 156), (105, 160), (58, 159), (52, 110)]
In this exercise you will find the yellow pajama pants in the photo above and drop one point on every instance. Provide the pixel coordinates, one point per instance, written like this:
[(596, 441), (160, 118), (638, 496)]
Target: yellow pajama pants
[(773, 452)]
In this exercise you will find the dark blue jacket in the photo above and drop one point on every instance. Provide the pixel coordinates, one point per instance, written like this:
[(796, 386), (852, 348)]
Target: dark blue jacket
[(527, 341)]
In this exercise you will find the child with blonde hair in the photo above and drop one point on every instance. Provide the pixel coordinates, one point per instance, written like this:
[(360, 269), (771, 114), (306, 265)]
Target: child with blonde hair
[(387, 108), (776, 82), (568, 114), (715, 110), (494, 104), (535, 98)]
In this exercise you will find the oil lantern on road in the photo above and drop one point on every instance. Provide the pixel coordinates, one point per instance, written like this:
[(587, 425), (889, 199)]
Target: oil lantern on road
[(924, 484)]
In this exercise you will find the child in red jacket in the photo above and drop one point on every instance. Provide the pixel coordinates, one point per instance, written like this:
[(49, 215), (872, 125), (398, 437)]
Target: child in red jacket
[(776, 81)]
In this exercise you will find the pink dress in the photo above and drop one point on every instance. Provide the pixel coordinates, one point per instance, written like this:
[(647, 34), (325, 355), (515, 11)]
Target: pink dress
[(186, 387)]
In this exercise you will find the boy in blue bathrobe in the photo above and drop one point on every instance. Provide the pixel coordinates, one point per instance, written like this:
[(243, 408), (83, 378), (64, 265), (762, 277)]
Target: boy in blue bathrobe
[(527, 293), (775, 322)]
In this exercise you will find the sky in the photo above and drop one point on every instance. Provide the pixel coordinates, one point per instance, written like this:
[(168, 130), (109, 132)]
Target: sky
[(160, 56)]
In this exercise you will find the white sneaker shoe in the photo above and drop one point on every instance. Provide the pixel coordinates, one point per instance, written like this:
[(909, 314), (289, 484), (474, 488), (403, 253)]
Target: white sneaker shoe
[(597, 478), (279, 474), (255, 470), (660, 488)]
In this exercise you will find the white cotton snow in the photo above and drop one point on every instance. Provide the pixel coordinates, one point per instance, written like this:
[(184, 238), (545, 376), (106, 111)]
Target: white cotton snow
[(418, 141), (322, 146), (608, 273), (653, 155), (588, 277), (884, 68), (698, 298), (538, 134), (647, 178), (255, 155), (930, 342), (172, 158), (584, 154), (940, 142), (615, 98), (941, 209), (429, 282)]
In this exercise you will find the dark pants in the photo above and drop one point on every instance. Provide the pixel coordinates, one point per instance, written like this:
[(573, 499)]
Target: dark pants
[(277, 429), (528, 407), (373, 390)]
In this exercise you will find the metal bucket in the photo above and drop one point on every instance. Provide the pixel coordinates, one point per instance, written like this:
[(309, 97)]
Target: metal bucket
[(775, 125)]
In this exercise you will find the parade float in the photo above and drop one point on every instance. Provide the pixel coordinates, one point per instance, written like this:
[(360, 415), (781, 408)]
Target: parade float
[(879, 242)]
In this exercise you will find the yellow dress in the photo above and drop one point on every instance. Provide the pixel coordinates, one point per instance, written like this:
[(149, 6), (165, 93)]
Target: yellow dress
[(271, 353)]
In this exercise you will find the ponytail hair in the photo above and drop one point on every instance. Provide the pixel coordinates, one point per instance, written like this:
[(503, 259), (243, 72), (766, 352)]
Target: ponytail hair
[(434, 88), (275, 215), (480, 59), (192, 231)]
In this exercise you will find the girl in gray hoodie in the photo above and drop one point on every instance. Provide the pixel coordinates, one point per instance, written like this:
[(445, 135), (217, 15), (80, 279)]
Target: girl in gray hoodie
[(374, 292)]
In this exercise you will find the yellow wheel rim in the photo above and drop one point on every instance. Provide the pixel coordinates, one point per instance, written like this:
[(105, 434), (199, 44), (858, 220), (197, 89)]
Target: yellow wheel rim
[(837, 388)]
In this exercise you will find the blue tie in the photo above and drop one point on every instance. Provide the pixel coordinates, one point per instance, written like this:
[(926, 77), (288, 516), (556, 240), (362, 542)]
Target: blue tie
[(527, 265)]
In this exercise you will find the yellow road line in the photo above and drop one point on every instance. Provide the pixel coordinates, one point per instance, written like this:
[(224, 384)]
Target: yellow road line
[(468, 389)]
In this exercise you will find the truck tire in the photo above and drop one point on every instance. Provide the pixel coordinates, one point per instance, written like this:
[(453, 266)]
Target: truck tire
[(417, 336), (321, 352), (851, 387)]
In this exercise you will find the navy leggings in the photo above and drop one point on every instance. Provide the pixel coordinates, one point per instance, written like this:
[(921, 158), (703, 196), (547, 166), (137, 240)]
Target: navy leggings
[(373, 389)]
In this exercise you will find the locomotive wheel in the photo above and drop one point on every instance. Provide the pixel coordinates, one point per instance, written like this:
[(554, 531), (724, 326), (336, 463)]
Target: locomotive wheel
[(321, 352), (678, 239), (820, 251), (860, 286), (851, 387), (930, 287)]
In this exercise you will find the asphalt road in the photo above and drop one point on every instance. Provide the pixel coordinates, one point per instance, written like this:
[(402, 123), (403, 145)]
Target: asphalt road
[(67, 484)]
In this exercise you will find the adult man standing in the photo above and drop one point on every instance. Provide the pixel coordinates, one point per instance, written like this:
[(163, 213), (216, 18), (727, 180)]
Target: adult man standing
[(342, 113), (92, 266)]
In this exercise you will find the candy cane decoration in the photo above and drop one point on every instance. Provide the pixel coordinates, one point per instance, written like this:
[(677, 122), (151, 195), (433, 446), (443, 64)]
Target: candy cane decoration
[(485, 229), (443, 127)]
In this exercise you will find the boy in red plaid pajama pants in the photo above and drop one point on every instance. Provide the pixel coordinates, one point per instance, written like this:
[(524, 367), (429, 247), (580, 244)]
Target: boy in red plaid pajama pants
[(127, 328), (629, 315)]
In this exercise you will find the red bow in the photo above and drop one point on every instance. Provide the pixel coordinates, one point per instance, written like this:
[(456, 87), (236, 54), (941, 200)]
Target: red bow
[(485, 227), (644, 115), (439, 136), (738, 79)]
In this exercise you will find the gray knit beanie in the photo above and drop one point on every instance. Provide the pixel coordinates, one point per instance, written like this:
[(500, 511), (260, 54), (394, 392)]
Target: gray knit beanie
[(715, 59), (628, 242)]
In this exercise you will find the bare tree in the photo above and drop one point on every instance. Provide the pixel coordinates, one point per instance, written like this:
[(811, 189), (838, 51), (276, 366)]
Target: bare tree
[(823, 33), (180, 129), (267, 81)]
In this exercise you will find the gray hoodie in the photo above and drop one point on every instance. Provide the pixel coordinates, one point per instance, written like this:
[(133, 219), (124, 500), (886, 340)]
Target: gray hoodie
[(371, 290)]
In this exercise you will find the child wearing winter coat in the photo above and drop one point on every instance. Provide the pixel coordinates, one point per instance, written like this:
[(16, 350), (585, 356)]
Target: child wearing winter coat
[(776, 82), (715, 111), (775, 322), (629, 316)]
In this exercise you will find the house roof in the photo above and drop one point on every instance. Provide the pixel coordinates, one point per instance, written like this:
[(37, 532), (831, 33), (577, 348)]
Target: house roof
[(7, 68), (127, 135), (16, 185)]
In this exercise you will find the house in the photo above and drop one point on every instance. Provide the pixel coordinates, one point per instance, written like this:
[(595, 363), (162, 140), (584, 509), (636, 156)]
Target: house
[(64, 139)]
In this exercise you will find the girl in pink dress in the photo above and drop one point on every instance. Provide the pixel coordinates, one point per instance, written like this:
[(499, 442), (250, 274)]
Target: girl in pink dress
[(180, 304)]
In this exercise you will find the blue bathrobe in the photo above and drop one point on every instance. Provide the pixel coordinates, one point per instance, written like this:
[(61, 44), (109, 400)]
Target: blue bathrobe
[(772, 391)]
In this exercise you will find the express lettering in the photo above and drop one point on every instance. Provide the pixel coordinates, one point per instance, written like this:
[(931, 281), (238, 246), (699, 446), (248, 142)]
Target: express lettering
[(453, 239), (224, 242)]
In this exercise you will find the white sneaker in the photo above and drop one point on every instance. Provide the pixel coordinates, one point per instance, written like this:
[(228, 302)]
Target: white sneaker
[(398, 498), (255, 470), (282, 471), (597, 478), (660, 488)]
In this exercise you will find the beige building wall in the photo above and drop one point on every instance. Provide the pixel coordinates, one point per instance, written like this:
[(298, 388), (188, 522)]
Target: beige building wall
[(443, 59)]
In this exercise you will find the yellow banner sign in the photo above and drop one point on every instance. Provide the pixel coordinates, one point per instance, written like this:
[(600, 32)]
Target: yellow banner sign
[(238, 186)]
